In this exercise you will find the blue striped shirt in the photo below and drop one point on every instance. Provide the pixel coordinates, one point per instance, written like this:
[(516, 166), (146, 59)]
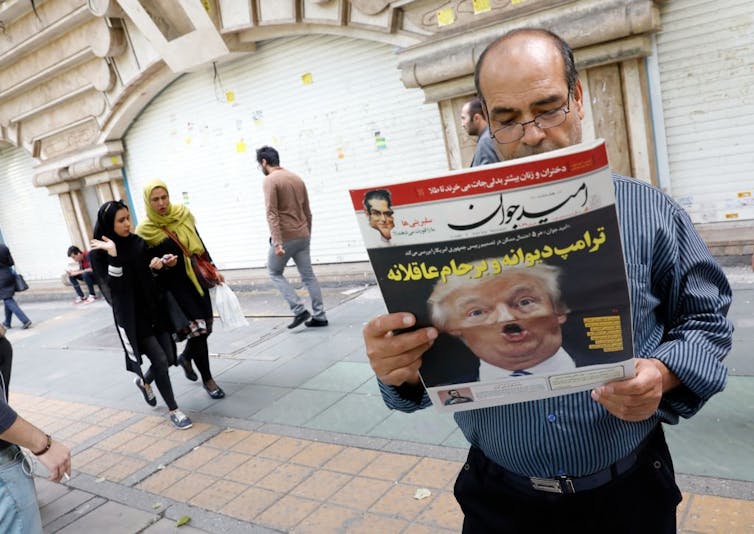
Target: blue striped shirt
[(679, 298)]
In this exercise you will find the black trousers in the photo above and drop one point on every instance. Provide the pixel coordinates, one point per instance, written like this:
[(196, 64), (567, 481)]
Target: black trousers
[(641, 501)]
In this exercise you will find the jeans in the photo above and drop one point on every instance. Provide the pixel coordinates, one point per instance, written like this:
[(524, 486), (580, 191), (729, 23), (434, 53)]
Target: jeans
[(86, 277), (298, 249), (12, 307), (19, 512)]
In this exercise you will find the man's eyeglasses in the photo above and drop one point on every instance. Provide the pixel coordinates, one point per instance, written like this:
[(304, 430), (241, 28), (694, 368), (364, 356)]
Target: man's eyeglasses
[(513, 131), (377, 213)]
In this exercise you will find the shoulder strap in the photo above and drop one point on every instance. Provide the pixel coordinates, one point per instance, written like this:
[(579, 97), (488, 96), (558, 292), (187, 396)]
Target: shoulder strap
[(174, 237)]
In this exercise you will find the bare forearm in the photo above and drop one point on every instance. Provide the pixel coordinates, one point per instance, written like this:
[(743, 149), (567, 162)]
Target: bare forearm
[(24, 434)]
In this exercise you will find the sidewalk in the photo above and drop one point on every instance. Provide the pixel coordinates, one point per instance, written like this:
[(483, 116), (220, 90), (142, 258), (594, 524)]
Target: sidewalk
[(303, 442)]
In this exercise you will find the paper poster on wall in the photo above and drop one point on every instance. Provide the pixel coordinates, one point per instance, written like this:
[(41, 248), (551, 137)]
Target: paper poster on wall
[(340, 153), (306, 78), (185, 197), (481, 6), (241, 146), (230, 96), (379, 141), (446, 17), (258, 118)]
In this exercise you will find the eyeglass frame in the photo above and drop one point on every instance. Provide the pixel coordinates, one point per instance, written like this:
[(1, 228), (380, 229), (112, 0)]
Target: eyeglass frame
[(565, 108)]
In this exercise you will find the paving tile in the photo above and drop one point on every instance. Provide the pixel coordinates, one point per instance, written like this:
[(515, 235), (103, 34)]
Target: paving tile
[(227, 438), (432, 473), (298, 407), (327, 518), (48, 491), (162, 479), (84, 457), (247, 401), (101, 463), (223, 464), (63, 505), (196, 458), (418, 528), (351, 460), (321, 485), (390, 466), (287, 512), (341, 376), (112, 518), (135, 445), (284, 448), (361, 493), (712, 514), (157, 449), (425, 426), (124, 468), (353, 414), (285, 478), (255, 442), (118, 439), (217, 495), (167, 526), (399, 502), (315, 454), (249, 504), (182, 436), (188, 487), (253, 470), (443, 512), (371, 523)]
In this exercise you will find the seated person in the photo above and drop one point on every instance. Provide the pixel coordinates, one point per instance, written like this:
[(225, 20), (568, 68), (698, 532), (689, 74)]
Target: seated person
[(82, 274)]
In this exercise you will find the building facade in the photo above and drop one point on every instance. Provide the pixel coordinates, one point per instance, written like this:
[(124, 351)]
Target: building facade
[(97, 97)]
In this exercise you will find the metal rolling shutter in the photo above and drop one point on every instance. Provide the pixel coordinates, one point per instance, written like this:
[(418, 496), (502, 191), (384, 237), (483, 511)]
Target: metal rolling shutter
[(707, 74), (333, 107), (31, 220)]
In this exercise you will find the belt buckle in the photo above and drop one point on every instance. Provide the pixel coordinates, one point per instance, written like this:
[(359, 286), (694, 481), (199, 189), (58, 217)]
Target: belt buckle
[(553, 485)]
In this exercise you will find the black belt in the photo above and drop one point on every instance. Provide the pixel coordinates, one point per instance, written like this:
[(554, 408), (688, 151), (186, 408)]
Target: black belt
[(568, 484)]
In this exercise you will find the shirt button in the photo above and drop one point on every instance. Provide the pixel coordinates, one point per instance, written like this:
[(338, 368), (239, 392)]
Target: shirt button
[(552, 417)]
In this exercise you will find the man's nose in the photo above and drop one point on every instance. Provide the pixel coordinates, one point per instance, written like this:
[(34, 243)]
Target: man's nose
[(533, 134), (503, 314)]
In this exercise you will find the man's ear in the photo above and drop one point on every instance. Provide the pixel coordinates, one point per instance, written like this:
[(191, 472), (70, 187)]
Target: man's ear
[(578, 99)]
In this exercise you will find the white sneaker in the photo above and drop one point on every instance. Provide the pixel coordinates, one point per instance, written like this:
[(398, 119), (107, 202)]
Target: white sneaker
[(90, 298), (180, 420), (78, 300)]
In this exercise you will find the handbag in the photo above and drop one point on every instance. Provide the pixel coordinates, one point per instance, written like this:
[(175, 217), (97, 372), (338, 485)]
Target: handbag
[(205, 271), (21, 284)]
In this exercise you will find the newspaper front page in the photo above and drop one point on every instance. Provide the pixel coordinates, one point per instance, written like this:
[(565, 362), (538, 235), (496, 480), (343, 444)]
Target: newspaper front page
[(519, 265)]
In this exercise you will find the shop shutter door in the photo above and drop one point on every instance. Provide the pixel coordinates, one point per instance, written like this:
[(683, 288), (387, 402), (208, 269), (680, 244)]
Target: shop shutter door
[(333, 107), (707, 74), (31, 220)]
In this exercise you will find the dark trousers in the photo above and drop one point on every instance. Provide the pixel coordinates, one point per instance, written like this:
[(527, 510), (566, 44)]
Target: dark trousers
[(156, 348), (85, 277), (642, 500)]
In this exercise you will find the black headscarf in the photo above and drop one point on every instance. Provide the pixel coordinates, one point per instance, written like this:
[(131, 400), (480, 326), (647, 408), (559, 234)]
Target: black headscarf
[(6, 260), (128, 247)]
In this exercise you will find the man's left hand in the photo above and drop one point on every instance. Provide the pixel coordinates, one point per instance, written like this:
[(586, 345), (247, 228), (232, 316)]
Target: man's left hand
[(637, 398)]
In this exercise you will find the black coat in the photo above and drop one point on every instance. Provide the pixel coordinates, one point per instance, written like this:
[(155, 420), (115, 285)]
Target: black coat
[(7, 274), (137, 302)]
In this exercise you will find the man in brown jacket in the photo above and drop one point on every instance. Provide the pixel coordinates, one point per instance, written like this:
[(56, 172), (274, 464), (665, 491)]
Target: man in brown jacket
[(290, 221)]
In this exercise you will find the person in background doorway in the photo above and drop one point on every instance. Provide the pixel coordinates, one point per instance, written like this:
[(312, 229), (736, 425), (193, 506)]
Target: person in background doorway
[(122, 259), (84, 274), (8, 289), (179, 280), (474, 122), (290, 222)]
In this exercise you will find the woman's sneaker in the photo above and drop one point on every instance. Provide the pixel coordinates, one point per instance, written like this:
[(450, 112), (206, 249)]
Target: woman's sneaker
[(146, 391), (180, 420)]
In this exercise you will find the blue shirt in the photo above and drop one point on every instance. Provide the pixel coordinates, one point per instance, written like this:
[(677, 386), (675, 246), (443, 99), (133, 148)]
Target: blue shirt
[(679, 298)]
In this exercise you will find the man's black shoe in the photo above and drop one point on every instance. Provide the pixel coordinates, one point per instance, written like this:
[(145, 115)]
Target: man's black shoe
[(300, 318), (316, 322)]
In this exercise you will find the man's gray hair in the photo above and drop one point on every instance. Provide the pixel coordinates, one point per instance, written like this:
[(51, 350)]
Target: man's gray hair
[(439, 310)]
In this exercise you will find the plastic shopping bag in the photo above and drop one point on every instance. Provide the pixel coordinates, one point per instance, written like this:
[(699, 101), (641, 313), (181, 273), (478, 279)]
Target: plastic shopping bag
[(227, 306)]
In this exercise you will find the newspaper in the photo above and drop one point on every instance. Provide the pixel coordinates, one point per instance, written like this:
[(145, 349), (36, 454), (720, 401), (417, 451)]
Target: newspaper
[(520, 267)]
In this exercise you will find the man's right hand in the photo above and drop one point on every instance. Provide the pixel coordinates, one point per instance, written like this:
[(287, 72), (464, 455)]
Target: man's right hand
[(396, 359)]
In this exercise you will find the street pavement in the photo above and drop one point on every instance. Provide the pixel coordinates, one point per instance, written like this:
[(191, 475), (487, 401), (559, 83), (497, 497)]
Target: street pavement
[(302, 442)]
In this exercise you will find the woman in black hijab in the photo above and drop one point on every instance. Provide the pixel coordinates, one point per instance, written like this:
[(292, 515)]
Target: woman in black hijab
[(8, 289), (121, 258)]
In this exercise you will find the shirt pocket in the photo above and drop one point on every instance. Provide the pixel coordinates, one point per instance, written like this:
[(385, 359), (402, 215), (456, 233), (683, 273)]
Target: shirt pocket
[(643, 301)]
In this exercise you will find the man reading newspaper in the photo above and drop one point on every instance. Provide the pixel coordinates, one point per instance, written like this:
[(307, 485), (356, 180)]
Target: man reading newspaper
[(589, 461)]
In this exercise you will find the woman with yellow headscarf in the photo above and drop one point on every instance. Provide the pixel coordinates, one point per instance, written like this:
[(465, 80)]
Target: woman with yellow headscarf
[(170, 232)]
